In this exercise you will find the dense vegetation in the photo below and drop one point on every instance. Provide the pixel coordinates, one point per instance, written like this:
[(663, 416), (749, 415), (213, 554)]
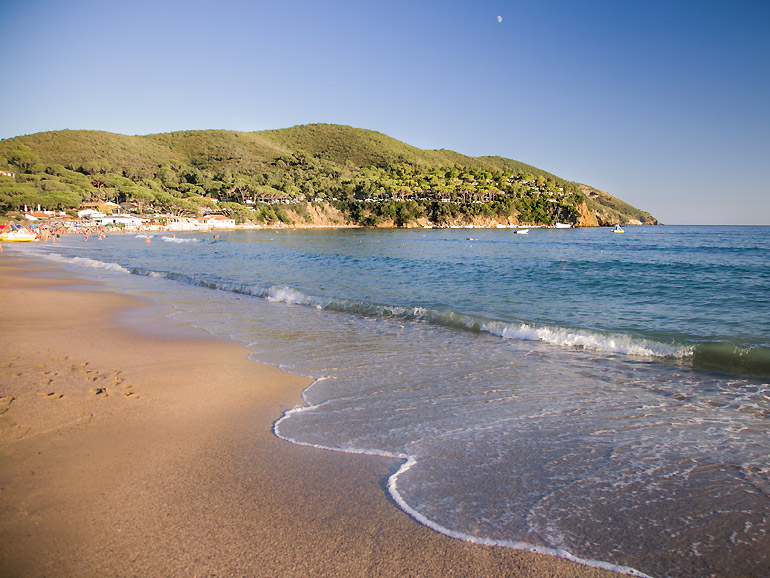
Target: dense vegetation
[(349, 175)]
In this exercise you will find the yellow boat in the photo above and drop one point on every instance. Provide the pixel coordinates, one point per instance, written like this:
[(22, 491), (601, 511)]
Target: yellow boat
[(19, 236)]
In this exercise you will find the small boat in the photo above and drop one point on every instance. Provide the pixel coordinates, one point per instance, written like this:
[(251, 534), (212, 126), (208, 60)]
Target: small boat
[(618, 229), (522, 231), (562, 226)]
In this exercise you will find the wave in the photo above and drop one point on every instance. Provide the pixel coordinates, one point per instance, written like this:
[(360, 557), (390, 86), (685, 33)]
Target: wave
[(561, 336), (86, 262), (179, 240), (516, 545), (409, 462), (716, 356), (733, 359), (617, 343), (713, 356), (609, 343), (291, 297)]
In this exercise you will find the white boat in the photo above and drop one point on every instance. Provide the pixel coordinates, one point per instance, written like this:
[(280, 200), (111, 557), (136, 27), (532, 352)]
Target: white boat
[(562, 226), (618, 229), (522, 231)]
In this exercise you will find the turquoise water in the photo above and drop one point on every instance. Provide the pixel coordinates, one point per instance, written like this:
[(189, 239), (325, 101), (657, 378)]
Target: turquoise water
[(598, 396)]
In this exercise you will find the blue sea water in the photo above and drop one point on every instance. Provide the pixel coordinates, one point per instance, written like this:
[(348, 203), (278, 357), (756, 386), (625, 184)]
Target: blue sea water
[(598, 396)]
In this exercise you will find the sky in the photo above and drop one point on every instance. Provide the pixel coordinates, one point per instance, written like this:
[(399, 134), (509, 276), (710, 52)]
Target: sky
[(662, 103)]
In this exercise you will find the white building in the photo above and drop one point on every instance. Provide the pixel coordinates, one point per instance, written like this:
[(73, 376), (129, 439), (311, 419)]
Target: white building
[(127, 221), (177, 223), (216, 222), (89, 214)]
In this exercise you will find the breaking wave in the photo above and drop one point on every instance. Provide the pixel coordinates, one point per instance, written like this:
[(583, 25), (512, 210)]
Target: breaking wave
[(179, 239), (616, 343), (713, 356), (86, 262)]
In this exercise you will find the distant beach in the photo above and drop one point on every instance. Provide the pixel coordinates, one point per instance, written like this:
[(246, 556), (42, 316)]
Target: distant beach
[(126, 454)]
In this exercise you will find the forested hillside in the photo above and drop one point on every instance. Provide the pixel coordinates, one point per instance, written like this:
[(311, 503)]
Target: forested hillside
[(352, 176)]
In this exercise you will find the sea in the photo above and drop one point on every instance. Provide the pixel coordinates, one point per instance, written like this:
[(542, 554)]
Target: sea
[(597, 396)]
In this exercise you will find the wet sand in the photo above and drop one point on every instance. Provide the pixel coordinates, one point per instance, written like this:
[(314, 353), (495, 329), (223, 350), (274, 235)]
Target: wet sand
[(133, 454)]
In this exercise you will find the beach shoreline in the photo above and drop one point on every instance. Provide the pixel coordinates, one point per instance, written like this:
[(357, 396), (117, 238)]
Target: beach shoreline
[(134, 454)]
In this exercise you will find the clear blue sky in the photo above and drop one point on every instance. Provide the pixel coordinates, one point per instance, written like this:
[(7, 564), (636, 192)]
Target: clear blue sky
[(663, 103)]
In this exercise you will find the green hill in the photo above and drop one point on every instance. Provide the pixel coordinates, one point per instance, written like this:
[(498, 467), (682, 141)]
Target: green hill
[(366, 178)]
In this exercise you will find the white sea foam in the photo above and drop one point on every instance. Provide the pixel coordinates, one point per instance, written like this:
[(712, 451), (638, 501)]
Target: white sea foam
[(560, 336), (561, 553), (180, 240), (291, 297), (408, 463), (616, 343), (86, 262), (612, 343)]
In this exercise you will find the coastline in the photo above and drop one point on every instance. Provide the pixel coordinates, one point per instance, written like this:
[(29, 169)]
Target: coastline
[(126, 454)]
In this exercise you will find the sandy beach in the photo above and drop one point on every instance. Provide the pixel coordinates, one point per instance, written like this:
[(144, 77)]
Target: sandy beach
[(127, 453)]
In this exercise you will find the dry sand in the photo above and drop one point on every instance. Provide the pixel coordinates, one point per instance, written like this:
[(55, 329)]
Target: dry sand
[(124, 454)]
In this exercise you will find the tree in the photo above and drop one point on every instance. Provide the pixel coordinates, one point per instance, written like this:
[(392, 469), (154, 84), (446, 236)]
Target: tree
[(16, 195), (204, 204), (167, 174), (240, 213), (23, 159), (192, 175), (135, 193), (94, 167), (61, 200), (174, 205)]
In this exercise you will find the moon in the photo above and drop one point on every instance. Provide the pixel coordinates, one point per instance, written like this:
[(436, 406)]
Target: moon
[(499, 18)]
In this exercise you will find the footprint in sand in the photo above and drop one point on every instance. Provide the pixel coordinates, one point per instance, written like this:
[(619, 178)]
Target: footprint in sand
[(19, 431), (5, 403)]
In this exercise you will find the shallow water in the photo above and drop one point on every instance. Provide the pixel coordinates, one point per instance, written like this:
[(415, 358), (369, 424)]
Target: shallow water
[(599, 396)]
